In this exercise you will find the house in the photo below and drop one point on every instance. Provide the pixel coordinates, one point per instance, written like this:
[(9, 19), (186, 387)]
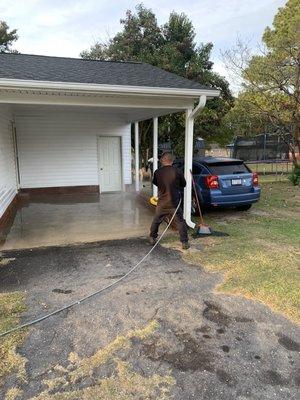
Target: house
[(65, 123), (216, 150)]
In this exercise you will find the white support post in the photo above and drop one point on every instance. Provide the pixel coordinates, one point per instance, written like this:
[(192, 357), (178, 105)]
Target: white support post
[(188, 164), (155, 151), (137, 156)]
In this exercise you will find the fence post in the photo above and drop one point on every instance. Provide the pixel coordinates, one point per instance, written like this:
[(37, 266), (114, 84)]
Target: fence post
[(265, 144)]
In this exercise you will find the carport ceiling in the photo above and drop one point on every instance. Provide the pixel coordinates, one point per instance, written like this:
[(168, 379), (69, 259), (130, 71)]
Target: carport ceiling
[(129, 114)]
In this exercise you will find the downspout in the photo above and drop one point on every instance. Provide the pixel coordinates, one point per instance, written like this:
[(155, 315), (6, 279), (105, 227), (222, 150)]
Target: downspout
[(191, 114), (155, 151), (200, 106)]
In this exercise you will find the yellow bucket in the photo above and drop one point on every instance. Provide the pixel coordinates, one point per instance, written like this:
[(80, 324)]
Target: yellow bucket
[(153, 201)]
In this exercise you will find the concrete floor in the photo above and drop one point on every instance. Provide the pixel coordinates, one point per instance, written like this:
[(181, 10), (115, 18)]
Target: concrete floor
[(66, 219)]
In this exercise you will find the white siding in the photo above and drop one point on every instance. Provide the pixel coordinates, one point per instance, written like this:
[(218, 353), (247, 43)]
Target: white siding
[(59, 148), (8, 186)]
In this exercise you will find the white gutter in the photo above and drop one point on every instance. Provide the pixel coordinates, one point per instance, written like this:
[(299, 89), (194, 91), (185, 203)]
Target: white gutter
[(21, 84)]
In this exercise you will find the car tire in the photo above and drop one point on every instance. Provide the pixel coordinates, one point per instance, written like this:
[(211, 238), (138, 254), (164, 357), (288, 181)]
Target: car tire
[(194, 208), (245, 207)]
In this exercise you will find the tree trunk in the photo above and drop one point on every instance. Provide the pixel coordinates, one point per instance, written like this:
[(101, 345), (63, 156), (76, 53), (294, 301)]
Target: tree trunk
[(296, 140), (296, 115)]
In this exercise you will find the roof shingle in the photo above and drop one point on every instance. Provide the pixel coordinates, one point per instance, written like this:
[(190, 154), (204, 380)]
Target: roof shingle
[(76, 70)]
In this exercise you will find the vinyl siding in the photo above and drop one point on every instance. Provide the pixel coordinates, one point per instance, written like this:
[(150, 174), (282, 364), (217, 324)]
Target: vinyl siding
[(59, 148), (8, 186)]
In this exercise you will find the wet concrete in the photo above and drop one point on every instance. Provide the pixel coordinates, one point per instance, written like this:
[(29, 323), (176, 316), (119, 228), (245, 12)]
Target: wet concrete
[(215, 346), (78, 218)]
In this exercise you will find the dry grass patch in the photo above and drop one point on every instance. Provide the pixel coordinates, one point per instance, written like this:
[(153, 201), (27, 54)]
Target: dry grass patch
[(85, 366), (13, 394), (11, 306), (123, 384), (5, 261)]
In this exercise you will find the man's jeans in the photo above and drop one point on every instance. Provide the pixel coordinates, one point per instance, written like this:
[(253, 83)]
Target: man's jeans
[(162, 214)]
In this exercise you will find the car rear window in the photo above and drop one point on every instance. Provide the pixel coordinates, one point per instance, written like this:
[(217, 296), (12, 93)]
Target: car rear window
[(197, 169), (228, 168)]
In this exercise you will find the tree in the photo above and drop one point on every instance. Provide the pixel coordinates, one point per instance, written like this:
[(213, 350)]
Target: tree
[(7, 38), (138, 41), (270, 95), (173, 48)]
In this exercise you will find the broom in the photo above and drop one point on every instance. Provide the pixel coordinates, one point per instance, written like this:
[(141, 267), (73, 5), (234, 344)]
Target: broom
[(202, 228)]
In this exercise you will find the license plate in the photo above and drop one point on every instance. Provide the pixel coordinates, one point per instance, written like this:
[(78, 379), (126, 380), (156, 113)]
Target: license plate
[(236, 181)]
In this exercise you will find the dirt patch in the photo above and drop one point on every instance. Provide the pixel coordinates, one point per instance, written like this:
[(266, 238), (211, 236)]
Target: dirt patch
[(288, 343), (178, 271), (203, 329), (225, 377), (193, 356), (225, 348), (214, 313), (243, 319), (207, 337), (115, 276), (273, 378), (62, 291), (297, 379)]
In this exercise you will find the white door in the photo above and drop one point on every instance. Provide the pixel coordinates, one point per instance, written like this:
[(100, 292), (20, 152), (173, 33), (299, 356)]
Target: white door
[(109, 156)]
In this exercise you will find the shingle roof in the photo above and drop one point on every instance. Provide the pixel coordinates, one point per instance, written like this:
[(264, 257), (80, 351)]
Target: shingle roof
[(76, 70)]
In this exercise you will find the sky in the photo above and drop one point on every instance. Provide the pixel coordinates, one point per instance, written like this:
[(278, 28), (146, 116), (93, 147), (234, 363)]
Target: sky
[(66, 27)]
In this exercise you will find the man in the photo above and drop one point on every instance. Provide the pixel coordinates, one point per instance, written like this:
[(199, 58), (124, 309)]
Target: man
[(170, 182)]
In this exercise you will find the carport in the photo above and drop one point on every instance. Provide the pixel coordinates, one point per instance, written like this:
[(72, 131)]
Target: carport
[(65, 129)]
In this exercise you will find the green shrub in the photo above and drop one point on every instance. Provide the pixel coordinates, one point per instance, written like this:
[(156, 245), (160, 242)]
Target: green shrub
[(295, 176)]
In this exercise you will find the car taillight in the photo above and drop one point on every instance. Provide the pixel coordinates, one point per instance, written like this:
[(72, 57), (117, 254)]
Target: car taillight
[(212, 182), (255, 179)]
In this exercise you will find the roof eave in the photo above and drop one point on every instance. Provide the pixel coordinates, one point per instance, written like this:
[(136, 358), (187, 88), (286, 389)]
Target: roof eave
[(109, 89)]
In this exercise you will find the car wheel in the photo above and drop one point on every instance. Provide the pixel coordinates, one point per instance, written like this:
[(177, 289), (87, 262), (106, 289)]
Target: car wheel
[(194, 207), (246, 207)]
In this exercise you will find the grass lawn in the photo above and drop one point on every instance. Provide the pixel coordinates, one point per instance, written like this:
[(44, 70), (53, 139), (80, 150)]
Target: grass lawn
[(261, 257), (11, 306)]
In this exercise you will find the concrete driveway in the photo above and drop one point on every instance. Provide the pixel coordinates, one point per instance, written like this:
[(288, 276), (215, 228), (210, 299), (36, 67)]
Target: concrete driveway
[(203, 345)]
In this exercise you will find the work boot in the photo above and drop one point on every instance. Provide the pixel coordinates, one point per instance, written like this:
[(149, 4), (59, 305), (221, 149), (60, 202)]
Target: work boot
[(151, 240), (185, 245)]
